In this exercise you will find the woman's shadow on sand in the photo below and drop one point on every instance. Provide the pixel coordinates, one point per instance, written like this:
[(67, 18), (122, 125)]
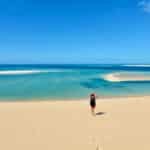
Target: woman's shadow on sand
[(100, 113)]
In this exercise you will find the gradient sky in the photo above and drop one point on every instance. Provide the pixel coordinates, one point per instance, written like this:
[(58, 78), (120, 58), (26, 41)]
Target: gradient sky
[(74, 31)]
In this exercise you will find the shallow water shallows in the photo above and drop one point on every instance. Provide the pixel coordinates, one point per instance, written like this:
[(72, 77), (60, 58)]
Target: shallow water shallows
[(33, 82)]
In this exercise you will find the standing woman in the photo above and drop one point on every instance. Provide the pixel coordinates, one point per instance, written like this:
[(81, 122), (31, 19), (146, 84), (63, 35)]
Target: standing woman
[(93, 103)]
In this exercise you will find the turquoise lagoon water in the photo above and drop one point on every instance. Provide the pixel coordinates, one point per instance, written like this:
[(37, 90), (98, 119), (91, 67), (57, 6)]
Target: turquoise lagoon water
[(56, 82)]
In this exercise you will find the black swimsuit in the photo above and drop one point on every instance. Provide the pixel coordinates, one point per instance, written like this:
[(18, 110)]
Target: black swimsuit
[(93, 102)]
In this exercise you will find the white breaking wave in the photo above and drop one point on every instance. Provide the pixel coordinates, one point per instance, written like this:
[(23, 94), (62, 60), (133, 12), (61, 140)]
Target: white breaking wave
[(136, 65), (21, 72)]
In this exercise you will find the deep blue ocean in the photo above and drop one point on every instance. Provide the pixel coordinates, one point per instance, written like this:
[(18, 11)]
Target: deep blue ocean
[(65, 82)]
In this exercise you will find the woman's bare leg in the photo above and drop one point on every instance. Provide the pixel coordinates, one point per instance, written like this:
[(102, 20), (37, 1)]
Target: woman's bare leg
[(93, 111)]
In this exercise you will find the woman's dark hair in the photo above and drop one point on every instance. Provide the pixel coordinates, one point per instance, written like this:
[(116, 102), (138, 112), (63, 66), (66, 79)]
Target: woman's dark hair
[(92, 95)]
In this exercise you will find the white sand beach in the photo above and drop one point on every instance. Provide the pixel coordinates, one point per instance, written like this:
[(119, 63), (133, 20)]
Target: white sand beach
[(120, 124), (118, 77)]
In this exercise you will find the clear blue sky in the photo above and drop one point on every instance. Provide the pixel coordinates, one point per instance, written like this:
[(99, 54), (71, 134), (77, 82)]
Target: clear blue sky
[(74, 31)]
